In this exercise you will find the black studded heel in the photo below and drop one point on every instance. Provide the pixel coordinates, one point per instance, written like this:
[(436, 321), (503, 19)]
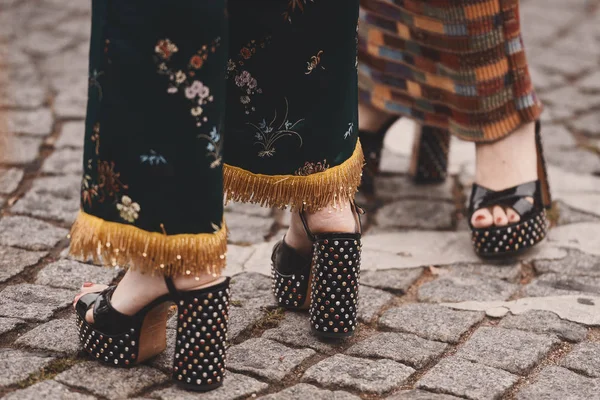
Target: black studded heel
[(335, 279), (429, 163), (200, 358), (290, 273), (372, 145), (123, 341), (512, 239)]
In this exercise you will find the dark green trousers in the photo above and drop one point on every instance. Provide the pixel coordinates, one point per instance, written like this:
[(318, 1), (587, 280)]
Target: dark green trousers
[(193, 100)]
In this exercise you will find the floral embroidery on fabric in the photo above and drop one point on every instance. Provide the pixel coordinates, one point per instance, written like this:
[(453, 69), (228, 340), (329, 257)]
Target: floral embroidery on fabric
[(109, 183), (349, 131), (96, 137), (95, 83), (128, 210), (292, 6), (89, 190), (194, 90), (314, 63), (310, 168), (214, 146), (152, 158), (267, 134), (243, 79)]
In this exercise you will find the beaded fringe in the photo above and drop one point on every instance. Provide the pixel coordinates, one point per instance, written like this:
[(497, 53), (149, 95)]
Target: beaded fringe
[(336, 186), (115, 244)]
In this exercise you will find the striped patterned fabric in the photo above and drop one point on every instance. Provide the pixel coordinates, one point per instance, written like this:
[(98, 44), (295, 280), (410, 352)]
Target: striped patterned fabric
[(454, 64)]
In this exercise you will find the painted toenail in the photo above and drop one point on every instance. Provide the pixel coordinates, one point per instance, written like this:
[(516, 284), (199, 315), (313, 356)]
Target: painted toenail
[(479, 218), (87, 284)]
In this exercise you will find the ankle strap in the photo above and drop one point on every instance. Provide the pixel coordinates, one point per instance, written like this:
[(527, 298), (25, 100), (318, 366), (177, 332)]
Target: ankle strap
[(172, 289), (357, 211)]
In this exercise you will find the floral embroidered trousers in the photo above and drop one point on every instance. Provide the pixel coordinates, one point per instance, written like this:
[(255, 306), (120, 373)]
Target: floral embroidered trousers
[(191, 101)]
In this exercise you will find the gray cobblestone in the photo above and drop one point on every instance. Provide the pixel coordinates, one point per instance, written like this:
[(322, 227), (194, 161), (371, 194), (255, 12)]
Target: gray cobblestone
[(467, 379), (52, 198), (304, 391), (64, 161), (71, 135), (588, 124), (562, 285), (510, 272), (71, 274), (545, 322), (37, 123), (10, 179), (14, 261), (33, 302), (29, 233), (401, 347), (111, 383), (294, 330), (559, 383), (247, 229), (420, 395), (8, 324), (576, 263), (570, 215), (365, 376), (59, 336), (585, 358), (371, 301), (512, 350), (397, 281), (241, 319), (421, 214), (266, 358), (462, 287), (235, 386), (394, 187), (17, 365), (252, 290), (20, 150), (47, 390), (430, 321)]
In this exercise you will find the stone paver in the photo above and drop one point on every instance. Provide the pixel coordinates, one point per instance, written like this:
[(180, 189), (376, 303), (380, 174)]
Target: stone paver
[(29, 233), (252, 290), (294, 330), (420, 395), (10, 179), (419, 214), (402, 347), (370, 303), (304, 391), (14, 261), (463, 378), (463, 287), (241, 319), (33, 302), (55, 198), (71, 274), (59, 336), (584, 358), (64, 161), (397, 281), (576, 263), (510, 271), (563, 285), (430, 321), (266, 358), (8, 324), (247, 229), (545, 322), (37, 122), (559, 383), (111, 383), (20, 149), (509, 349), (365, 376), (235, 386), (17, 365), (71, 135), (48, 390)]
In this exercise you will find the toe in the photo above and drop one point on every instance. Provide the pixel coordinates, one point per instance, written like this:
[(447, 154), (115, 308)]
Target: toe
[(482, 218), (512, 215), (500, 218), (85, 289), (89, 316)]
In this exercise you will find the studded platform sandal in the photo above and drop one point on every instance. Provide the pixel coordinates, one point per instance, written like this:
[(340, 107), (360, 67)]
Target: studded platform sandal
[(429, 163), (372, 145), (290, 277), (123, 341), (513, 239)]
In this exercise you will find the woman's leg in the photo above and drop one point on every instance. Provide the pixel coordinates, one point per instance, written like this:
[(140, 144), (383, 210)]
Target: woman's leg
[(152, 187)]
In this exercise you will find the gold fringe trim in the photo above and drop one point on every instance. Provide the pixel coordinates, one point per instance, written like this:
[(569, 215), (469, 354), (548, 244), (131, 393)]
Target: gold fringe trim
[(115, 244), (335, 186)]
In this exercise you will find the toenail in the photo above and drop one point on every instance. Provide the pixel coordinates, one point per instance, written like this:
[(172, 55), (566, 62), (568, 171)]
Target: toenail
[(479, 218), (87, 284)]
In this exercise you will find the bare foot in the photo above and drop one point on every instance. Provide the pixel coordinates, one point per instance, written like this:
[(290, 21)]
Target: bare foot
[(504, 164), (137, 289)]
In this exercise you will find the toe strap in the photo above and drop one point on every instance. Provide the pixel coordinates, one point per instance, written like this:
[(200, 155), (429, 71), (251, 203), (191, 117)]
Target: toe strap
[(106, 318), (515, 197)]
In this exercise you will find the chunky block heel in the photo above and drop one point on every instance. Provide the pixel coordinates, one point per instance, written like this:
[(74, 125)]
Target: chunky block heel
[(336, 274), (532, 228), (429, 163), (372, 145), (200, 354)]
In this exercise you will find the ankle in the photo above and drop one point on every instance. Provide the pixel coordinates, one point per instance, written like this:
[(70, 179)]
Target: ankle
[(371, 119)]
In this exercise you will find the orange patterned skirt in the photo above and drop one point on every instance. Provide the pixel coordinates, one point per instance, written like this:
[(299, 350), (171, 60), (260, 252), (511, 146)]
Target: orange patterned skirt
[(453, 64)]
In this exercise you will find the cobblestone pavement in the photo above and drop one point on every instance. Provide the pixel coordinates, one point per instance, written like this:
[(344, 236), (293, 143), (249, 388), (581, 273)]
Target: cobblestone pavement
[(437, 323)]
